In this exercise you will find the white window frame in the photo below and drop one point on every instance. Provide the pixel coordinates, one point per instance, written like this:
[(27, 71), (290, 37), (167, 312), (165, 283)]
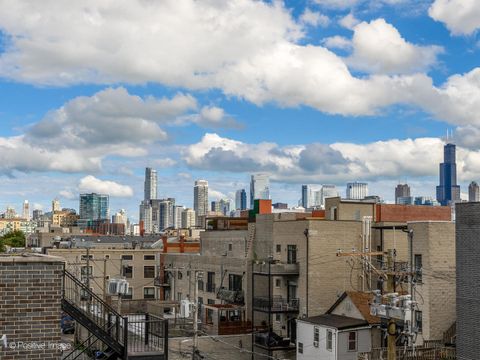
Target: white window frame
[(316, 336), (350, 341), (329, 340)]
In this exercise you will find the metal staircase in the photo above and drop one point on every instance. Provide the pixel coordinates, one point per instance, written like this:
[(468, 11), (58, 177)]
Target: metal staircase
[(111, 335), (251, 238)]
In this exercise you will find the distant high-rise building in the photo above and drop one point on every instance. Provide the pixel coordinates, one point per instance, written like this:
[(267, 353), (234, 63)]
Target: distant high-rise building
[(357, 190), (26, 210), (448, 191), (166, 213), (306, 196), (215, 206), (240, 199), (401, 191), (473, 191), (37, 214), (10, 213), (200, 201), (224, 206), (146, 217), (56, 205), (404, 200), (259, 188), (177, 216), (188, 218), (93, 207), (327, 191), (150, 185)]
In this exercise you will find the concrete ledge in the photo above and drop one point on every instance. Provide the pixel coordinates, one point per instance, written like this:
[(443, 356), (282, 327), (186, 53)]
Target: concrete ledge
[(29, 258)]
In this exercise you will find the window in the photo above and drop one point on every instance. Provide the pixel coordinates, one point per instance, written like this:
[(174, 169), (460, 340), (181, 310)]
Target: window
[(418, 320), (279, 248), (278, 317), (210, 281), (278, 282), (230, 247), (86, 272), (179, 296), (234, 282), (352, 341), (149, 293), (418, 267), (200, 285), (316, 336), (128, 295), (128, 272), (291, 254), (180, 275), (127, 257), (300, 348), (84, 257), (106, 256), (148, 257), (329, 340), (149, 272)]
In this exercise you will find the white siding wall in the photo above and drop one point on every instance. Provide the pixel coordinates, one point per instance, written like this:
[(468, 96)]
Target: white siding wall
[(310, 352), (363, 344)]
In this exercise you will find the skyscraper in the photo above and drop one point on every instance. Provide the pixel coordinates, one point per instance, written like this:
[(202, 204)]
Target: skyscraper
[(401, 191), (240, 199), (200, 201), (26, 210), (150, 187), (306, 196), (473, 191), (56, 205), (327, 191), (448, 191), (259, 187), (146, 217), (357, 190), (188, 218), (93, 206)]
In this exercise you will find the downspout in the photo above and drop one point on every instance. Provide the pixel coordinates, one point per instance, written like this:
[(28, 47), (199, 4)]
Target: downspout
[(306, 278)]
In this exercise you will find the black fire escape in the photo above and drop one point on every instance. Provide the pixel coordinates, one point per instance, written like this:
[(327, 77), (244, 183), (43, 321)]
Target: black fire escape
[(111, 335)]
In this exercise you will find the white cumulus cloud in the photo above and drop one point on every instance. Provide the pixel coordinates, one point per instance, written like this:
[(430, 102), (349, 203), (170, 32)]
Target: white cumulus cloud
[(92, 184), (462, 17), (378, 47)]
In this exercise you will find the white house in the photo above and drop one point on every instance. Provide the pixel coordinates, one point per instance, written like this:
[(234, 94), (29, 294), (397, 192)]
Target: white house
[(332, 337)]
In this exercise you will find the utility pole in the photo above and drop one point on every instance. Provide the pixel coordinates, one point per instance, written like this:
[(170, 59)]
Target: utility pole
[(392, 325), (198, 276), (104, 279)]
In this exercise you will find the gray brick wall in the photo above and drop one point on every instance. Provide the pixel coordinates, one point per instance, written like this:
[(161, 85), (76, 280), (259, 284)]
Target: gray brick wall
[(30, 308), (468, 279)]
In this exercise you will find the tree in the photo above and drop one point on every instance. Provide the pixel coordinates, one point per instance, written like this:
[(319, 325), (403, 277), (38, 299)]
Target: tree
[(13, 238)]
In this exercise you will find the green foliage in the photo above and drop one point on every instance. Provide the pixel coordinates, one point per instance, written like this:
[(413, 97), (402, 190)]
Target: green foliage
[(14, 239)]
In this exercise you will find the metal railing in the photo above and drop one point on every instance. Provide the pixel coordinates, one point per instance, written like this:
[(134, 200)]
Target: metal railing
[(231, 296), (419, 353), (147, 333), (276, 268), (275, 304), (93, 313)]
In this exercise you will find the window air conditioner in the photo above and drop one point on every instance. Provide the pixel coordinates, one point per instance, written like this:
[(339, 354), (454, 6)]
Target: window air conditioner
[(117, 287), (315, 343)]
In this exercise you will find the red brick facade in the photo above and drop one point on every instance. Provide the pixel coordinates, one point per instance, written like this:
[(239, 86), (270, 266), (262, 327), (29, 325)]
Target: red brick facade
[(404, 213)]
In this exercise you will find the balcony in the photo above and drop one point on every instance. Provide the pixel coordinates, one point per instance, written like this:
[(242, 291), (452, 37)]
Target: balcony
[(276, 304), (231, 296), (276, 269)]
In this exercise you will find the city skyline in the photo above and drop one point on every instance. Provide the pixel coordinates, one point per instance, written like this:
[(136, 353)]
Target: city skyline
[(91, 125)]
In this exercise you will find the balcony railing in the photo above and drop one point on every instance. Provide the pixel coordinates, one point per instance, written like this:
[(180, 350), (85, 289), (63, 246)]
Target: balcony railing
[(158, 282), (231, 296), (276, 269), (272, 341), (275, 304)]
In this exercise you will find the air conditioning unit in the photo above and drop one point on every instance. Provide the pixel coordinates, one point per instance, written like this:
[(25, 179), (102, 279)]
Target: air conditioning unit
[(315, 343), (117, 287), (185, 308)]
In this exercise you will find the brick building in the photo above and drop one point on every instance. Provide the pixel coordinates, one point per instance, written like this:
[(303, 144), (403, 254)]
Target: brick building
[(30, 306)]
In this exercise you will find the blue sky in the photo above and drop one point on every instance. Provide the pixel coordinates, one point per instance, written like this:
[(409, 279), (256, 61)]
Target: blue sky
[(314, 91)]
